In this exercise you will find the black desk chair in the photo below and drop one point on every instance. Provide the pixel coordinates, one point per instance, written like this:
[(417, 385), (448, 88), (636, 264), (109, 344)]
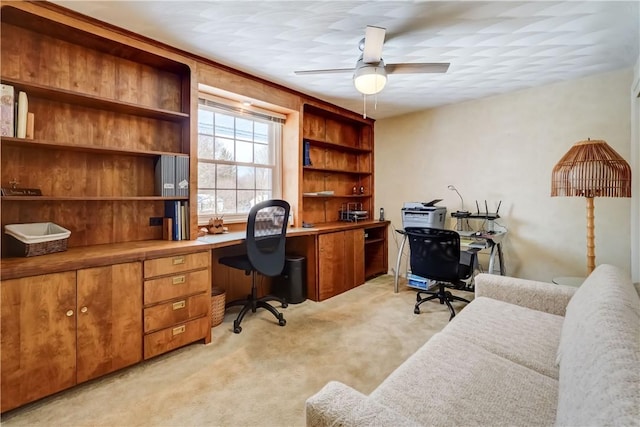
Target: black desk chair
[(435, 255), (265, 244)]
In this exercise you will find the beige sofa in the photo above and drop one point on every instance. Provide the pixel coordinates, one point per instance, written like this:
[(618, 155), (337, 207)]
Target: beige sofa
[(522, 353)]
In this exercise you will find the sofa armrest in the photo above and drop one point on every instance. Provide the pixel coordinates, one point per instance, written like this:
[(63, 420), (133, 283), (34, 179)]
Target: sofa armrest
[(337, 404), (541, 296)]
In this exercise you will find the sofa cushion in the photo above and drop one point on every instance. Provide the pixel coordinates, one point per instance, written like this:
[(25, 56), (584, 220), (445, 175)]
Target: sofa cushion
[(524, 336), (599, 353), (337, 404), (450, 381)]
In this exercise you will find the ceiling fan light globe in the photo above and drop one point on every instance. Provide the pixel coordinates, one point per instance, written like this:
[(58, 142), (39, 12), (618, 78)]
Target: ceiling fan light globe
[(369, 79)]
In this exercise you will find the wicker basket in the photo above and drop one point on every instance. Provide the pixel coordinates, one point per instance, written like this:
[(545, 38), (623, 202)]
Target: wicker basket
[(25, 240), (217, 306)]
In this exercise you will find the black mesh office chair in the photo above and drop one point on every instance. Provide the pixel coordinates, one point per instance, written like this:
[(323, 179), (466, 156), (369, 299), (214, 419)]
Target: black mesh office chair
[(435, 255), (265, 244)]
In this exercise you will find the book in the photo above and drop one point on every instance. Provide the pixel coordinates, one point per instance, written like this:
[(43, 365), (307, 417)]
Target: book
[(30, 125), (182, 176), (21, 120), (7, 105), (171, 208), (165, 176), (306, 159)]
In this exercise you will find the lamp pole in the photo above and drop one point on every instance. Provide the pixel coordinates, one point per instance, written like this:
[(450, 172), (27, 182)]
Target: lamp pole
[(591, 245)]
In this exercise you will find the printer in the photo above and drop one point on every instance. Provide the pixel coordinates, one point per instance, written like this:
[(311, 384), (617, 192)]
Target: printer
[(419, 214)]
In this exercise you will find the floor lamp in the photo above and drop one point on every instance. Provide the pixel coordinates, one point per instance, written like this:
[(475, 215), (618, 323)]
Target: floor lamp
[(591, 169)]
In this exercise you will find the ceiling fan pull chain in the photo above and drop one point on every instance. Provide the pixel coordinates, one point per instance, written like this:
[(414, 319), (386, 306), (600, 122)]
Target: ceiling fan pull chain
[(364, 106)]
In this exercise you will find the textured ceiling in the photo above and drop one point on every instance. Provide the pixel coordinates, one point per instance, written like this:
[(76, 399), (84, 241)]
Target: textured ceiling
[(493, 47)]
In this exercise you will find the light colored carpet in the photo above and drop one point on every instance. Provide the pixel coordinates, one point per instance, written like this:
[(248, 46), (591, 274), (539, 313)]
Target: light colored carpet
[(260, 377)]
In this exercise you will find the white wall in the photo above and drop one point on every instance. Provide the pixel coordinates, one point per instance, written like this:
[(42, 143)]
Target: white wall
[(635, 170), (504, 148)]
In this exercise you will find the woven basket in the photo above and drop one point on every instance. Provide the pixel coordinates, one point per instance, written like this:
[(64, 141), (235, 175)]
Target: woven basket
[(217, 306), (21, 249)]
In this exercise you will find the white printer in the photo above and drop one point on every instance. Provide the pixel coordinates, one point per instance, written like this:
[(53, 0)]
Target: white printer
[(419, 214)]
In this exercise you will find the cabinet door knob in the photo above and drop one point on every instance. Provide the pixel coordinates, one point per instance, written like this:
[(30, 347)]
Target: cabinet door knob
[(69, 313), (84, 309)]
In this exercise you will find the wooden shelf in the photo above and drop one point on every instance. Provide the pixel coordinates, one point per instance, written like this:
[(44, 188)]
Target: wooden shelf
[(52, 145), (376, 240), (92, 101), (334, 196), (89, 198), (340, 147), (330, 170)]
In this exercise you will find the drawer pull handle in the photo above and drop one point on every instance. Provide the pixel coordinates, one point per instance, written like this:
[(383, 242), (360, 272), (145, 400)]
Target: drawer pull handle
[(180, 304), (178, 260), (179, 279), (179, 330)]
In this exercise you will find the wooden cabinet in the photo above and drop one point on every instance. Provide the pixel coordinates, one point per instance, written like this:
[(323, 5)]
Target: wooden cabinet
[(340, 262), (38, 343), (340, 159), (105, 110), (375, 250), (177, 302), (109, 303), (61, 329)]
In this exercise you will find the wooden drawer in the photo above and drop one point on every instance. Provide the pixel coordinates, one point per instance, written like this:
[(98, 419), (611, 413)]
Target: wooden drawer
[(171, 313), (176, 336), (179, 285), (176, 264)]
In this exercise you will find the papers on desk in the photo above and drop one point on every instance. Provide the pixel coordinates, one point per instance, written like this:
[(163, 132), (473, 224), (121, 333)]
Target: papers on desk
[(479, 244)]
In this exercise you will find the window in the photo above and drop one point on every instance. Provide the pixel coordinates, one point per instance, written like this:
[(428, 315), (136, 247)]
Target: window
[(238, 159)]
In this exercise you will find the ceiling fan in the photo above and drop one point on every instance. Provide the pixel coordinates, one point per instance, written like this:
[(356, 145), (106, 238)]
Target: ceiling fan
[(370, 72)]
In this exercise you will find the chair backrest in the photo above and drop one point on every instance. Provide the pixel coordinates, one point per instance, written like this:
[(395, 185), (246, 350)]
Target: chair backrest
[(435, 254), (266, 236)]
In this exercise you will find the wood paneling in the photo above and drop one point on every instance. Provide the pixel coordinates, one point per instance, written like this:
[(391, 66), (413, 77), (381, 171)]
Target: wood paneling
[(109, 323), (90, 91), (38, 342)]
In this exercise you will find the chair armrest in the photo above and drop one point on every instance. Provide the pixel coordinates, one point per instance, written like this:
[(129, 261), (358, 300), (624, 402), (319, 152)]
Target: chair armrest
[(337, 404), (541, 296)]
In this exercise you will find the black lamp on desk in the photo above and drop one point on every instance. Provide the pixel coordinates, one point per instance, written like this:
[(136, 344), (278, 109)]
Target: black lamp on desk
[(462, 223)]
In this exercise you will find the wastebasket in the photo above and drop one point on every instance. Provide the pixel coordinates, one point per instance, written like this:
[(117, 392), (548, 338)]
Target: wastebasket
[(292, 284)]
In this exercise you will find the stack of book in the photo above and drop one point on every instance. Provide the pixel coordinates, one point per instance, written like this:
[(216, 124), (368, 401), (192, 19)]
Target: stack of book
[(15, 118), (176, 220)]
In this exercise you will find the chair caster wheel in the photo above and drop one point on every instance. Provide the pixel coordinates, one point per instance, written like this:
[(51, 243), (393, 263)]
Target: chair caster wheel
[(285, 305), (282, 322), (416, 310), (237, 329)]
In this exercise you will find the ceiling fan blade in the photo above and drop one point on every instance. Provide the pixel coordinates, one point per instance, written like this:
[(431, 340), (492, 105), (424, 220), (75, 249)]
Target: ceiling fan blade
[(425, 67), (327, 71), (373, 41)]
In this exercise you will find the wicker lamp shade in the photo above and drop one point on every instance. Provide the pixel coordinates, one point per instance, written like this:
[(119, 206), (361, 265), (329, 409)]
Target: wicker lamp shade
[(591, 169)]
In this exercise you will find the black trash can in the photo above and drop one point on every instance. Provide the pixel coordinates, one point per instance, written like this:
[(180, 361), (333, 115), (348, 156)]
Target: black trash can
[(292, 284)]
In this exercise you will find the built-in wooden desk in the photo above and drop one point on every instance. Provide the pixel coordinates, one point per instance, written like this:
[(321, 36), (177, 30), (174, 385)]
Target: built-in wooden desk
[(340, 256)]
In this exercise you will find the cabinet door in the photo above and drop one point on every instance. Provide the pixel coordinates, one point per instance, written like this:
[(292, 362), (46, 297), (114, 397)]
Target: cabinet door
[(38, 341), (109, 319), (354, 257), (331, 265)]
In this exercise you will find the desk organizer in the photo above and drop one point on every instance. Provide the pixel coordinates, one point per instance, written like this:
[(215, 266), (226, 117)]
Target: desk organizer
[(33, 239)]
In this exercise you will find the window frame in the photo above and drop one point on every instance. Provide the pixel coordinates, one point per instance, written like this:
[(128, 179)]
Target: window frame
[(237, 110)]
